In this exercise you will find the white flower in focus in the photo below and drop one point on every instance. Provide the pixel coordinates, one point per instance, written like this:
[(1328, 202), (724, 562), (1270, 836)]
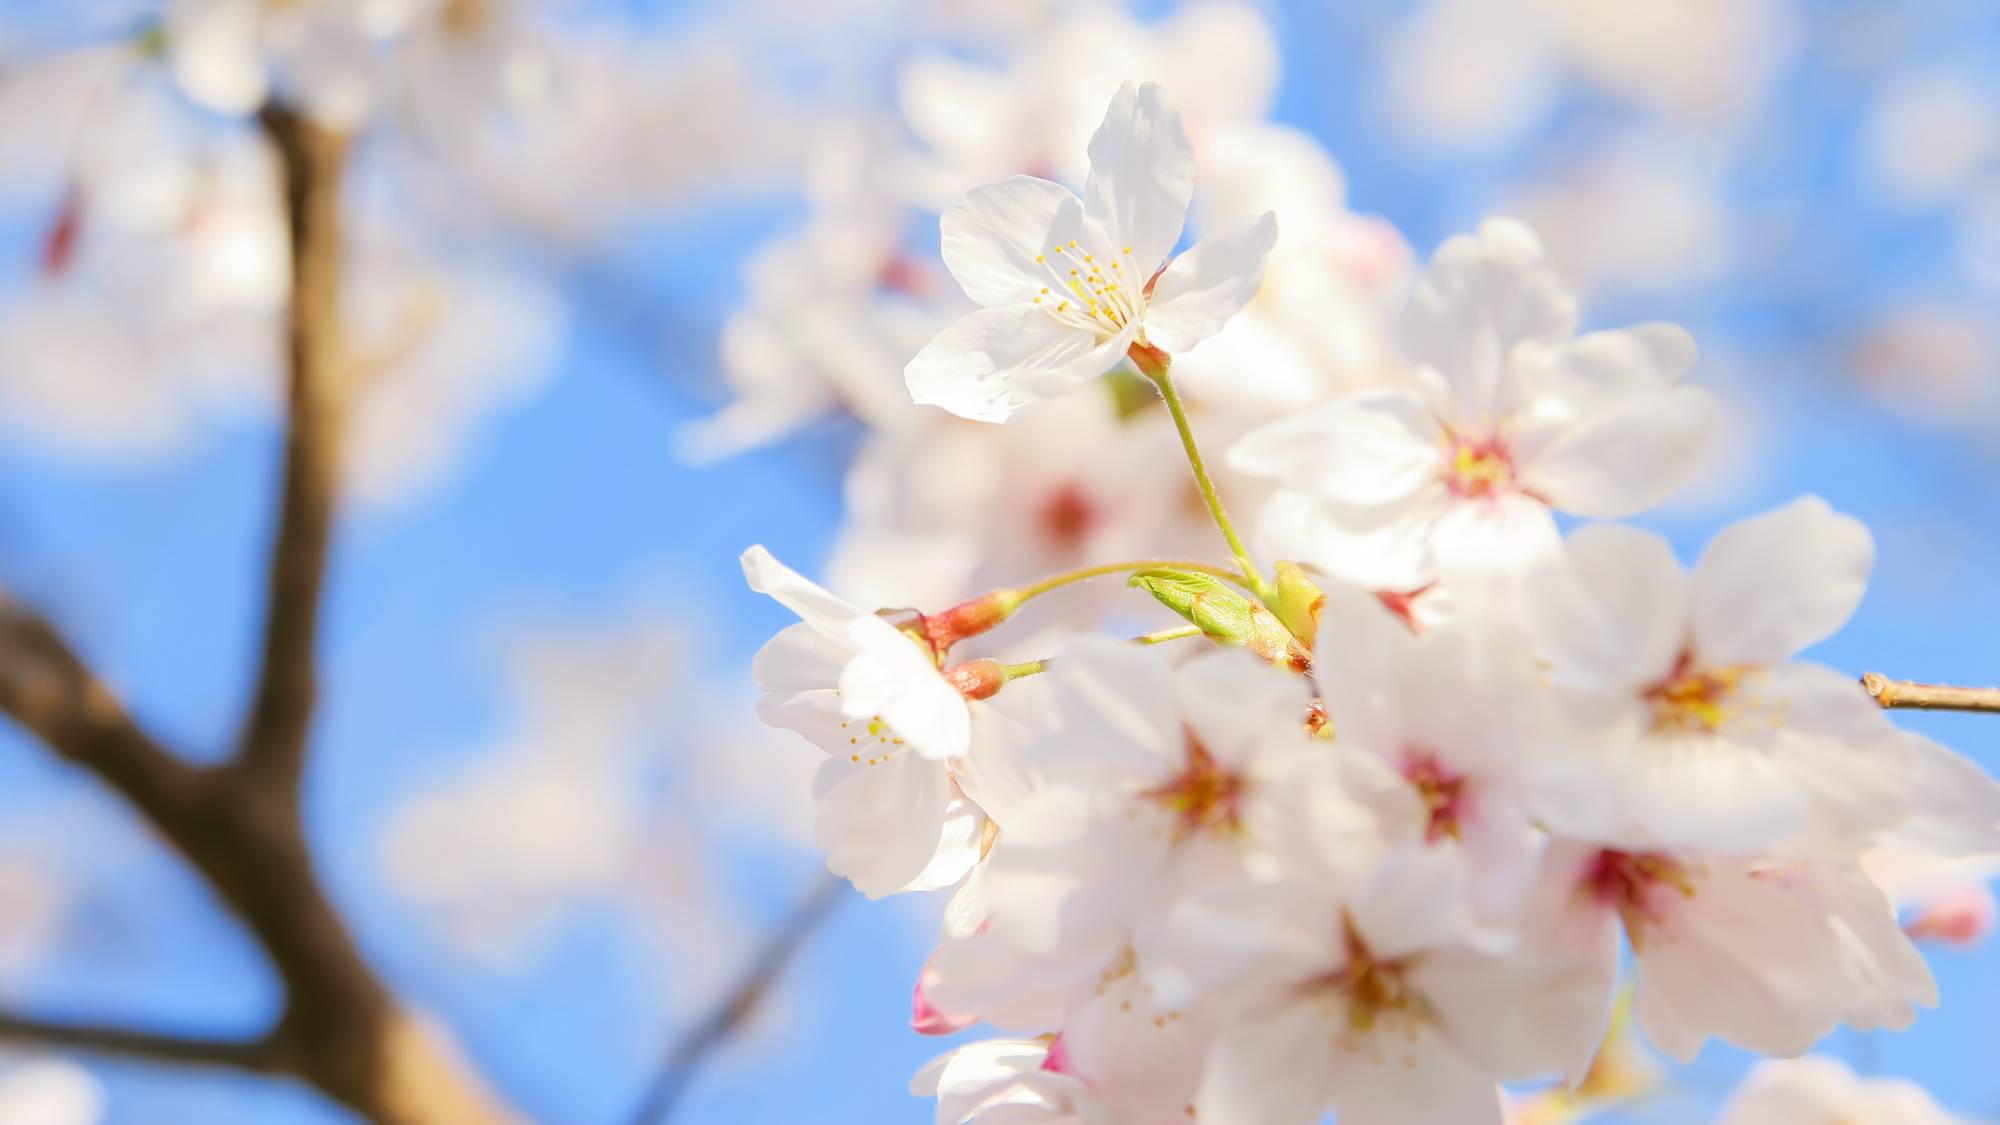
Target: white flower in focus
[(1766, 955), (1070, 286), (1505, 416), (1817, 1090), (1697, 727), (892, 816)]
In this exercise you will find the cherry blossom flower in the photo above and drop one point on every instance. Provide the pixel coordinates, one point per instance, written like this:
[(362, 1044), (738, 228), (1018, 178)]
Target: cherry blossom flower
[(1817, 1090), (1505, 416), (1699, 726), (1467, 771), (893, 815), (1768, 955), (1151, 779), (1070, 286), (1353, 987)]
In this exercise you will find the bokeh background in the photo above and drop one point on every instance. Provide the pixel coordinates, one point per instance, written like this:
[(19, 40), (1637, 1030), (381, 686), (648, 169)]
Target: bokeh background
[(537, 790)]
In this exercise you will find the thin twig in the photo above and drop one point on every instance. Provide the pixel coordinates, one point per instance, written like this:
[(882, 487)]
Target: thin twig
[(311, 158), (684, 1059), (261, 1055), (1930, 697)]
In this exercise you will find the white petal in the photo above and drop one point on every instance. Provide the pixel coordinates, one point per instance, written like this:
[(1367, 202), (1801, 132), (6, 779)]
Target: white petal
[(1492, 545), (1418, 1080), (1141, 175), (1521, 1016), (1604, 366), (1749, 958), (1267, 1068), (1773, 584), (1210, 283), (1614, 613), (992, 238), (1482, 296), (993, 362), (1626, 458), (1371, 447), (1955, 805), (216, 48), (881, 825), (816, 607), (891, 677)]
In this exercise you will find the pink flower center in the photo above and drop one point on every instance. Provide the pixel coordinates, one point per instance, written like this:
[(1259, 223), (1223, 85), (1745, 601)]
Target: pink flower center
[(1695, 700), (1066, 517), (1638, 885), (1479, 468), (1375, 992), (1442, 791), (1204, 797)]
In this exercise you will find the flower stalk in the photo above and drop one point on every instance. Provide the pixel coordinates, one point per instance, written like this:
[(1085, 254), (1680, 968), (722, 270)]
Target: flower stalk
[(1156, 366)]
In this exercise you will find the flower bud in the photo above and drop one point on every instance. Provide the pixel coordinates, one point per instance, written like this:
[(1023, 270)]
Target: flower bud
[(977, 679), (1224, 615), (1297, 602), (968, 619)]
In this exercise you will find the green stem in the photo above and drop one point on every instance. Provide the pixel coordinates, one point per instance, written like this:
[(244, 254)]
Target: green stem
[(1021, 594), (1154, 364), (1025, 668), (1162, 636)]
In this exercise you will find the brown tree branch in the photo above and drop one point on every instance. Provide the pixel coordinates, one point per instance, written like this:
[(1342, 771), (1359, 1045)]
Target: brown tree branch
[(1930, 697), (240, 824), (685, 1057), (274, 733), (260, 1056)]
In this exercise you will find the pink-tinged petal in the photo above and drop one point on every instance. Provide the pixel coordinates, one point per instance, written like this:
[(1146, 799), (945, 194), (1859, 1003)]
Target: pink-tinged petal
[(925, 1017), (1482, 296), (991, 239), (1141, 176), (1773, 584), (993, 362), (1961, 917), (1210, 283), (1371, 447), (1613, 613), (1624, 458)]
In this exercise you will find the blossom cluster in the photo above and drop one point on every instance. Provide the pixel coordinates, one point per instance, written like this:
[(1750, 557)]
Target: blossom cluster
[(1389, 821)]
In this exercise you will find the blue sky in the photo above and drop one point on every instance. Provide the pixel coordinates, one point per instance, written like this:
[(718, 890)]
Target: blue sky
[(571, 505)]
